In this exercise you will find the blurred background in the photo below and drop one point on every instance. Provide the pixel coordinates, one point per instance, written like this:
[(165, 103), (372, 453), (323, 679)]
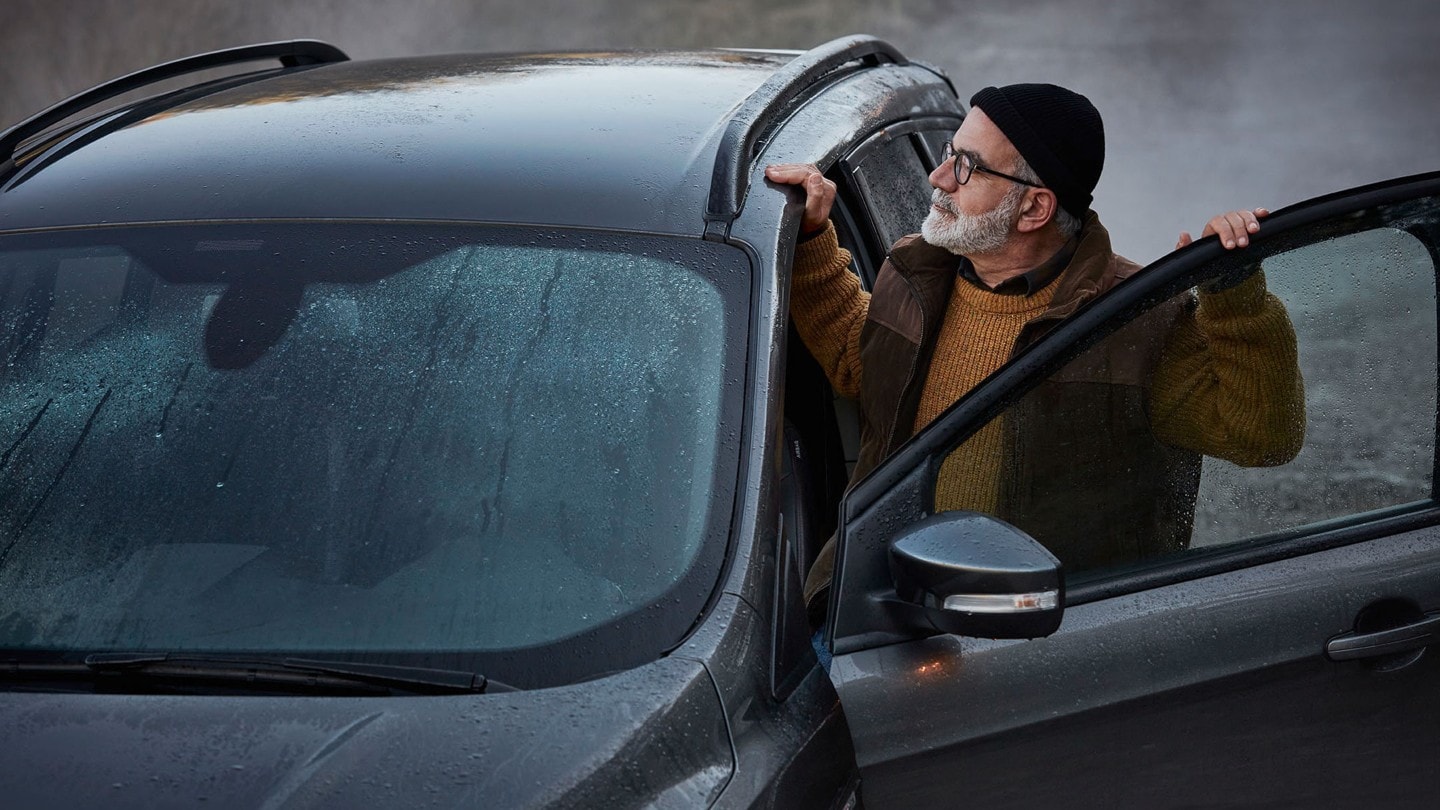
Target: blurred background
[(1208, 105)]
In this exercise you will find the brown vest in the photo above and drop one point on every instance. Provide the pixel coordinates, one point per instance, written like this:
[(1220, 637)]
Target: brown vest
[(1082, 471)]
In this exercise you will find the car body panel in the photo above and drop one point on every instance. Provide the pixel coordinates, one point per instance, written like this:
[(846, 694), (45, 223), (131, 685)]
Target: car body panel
[(608, 142), (654, 731), (792, 750), (1139, 699), (620, 142)]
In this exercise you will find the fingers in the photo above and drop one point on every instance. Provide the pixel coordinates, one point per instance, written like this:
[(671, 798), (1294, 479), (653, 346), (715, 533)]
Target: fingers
[(794, 173), (1184, 240), (819, 192), (1235, 227), (819, 197)]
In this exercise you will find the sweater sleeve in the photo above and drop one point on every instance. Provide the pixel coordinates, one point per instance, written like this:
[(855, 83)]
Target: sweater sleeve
[(1228, 383), (829, 309)]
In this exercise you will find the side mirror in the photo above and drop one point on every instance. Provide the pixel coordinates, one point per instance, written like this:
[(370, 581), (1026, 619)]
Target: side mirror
[(975, 575)]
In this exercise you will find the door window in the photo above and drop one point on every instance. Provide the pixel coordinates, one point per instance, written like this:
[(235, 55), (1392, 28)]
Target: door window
[(893, 181), (935, 141), (1365, 319), (1293, 393)]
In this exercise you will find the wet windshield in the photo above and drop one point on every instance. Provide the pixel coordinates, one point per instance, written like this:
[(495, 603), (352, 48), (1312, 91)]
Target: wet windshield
[(448, 445)]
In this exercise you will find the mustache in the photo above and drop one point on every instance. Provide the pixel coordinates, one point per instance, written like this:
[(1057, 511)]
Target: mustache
[(940, 200)]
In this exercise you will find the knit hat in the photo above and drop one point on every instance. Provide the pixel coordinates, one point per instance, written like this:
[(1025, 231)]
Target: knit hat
[(1057, 131)]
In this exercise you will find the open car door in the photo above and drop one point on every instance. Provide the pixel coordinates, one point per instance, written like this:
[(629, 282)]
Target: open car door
[(1270, 648)]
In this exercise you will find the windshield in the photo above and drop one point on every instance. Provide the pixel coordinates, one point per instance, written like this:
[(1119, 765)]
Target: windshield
[(438, 445)]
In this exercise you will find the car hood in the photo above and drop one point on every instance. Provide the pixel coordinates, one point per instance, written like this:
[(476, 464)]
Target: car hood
[(655, 734)]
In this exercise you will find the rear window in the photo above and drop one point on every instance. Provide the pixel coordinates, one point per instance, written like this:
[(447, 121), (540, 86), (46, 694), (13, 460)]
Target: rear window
[(446, 446)]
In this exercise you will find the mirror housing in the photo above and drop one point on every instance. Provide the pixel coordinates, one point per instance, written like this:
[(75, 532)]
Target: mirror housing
[(975, 575)]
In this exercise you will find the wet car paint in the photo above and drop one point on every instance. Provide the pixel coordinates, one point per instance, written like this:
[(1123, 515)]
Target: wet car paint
[(712, 722), (556, 747)]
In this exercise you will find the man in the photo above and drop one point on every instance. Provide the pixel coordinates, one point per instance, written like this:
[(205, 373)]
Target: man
[(1009, 248)]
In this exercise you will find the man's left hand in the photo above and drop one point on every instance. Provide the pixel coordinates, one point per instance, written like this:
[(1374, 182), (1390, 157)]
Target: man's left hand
[(1233, 228)]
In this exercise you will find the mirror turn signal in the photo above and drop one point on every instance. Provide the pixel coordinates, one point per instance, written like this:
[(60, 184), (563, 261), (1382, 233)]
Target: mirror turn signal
[(975, 575)]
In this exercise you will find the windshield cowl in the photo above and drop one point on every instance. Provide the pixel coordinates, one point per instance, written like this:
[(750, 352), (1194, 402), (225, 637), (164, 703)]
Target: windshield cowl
[(584, 745)]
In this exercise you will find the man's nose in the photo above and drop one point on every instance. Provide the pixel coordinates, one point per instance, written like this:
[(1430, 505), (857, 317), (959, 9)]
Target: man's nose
[(943, 177)]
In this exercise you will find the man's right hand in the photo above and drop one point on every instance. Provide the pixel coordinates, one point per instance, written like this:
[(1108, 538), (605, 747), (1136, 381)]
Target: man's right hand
[(819, 192), (1233, 228)]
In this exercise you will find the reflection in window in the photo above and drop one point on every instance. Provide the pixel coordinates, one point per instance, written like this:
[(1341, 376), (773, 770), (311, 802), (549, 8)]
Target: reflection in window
[(1183, 429), (935, 141), (895, 186), (1363, 306)]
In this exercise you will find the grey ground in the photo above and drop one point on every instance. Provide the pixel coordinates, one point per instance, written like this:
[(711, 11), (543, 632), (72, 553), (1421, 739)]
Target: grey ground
[(1209, 105)]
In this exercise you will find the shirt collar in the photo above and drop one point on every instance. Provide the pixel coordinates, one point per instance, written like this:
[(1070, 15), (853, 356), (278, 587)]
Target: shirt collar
[(1025, 283)]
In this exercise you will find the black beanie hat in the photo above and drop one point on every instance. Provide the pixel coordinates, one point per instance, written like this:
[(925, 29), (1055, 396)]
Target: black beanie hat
[(1057, 131)]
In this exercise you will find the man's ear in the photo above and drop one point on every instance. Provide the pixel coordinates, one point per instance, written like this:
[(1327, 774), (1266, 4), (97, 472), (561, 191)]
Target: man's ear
[(1036, 210)]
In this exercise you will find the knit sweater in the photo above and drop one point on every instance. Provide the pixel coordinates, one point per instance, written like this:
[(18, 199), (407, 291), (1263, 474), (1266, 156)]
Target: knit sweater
[(1216, 368), (976, 337)]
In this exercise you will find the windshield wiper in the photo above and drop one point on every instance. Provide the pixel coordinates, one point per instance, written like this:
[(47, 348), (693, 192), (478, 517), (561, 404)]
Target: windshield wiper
[(299, 673)]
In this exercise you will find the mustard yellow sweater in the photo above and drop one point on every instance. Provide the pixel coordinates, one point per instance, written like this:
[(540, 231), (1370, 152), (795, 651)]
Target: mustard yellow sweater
[(1216, 370)]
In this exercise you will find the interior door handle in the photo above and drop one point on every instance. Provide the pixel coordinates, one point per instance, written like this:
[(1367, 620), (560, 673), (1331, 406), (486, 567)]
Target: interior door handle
[(1350, 646)]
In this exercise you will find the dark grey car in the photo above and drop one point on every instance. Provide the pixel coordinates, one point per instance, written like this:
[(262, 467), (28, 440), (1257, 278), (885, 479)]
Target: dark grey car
[(431, 432)]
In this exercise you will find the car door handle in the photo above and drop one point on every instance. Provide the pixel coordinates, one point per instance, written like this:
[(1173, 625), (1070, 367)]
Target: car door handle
[(1350, 646)]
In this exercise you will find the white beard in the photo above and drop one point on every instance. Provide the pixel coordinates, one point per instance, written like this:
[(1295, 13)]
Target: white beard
[(970, 234)]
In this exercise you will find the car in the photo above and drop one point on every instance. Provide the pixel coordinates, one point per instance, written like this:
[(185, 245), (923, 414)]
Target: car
[(432, 431)]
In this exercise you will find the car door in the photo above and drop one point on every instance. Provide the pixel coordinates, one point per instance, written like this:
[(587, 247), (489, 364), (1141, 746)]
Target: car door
[(1276, 654)]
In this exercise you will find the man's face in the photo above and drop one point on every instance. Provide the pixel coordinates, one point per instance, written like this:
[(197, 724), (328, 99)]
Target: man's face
[(978, 217)]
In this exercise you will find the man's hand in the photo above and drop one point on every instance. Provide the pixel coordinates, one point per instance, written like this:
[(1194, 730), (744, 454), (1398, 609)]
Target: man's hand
[(819, 192), (1233, 228)]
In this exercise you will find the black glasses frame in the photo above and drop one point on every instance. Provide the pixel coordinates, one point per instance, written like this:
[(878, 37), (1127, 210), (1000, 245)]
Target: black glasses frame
[(966, 165)]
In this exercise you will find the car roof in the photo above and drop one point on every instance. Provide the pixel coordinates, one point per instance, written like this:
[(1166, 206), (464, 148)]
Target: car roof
[(607, 140)]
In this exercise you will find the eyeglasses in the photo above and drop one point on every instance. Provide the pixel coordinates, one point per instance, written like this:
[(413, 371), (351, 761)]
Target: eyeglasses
[(966, 165)]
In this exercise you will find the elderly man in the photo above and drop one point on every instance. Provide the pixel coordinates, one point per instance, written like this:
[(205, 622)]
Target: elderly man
[(1009, 248)]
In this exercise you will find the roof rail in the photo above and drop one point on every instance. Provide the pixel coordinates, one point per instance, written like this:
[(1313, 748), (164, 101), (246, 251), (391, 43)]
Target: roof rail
[(292, 53), (764, 107)]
